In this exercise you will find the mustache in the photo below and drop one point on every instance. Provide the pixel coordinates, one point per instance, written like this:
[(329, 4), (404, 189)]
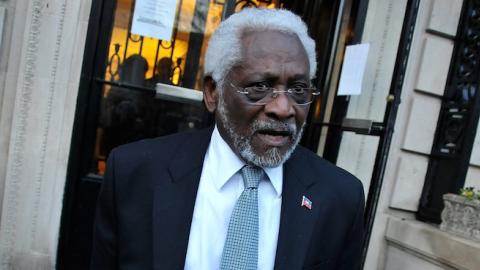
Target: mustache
[(283, 126)]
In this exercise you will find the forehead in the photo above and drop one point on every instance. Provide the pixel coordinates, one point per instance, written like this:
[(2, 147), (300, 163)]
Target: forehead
[(274, 52)]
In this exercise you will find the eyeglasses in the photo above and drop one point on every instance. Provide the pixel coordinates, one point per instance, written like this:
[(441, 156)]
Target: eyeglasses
[(261, 95)]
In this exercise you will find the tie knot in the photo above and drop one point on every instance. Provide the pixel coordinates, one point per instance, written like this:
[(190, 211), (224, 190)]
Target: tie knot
[(251, 176)]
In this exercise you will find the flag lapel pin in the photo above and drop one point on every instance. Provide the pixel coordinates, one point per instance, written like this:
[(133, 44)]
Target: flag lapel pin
[(306, 203)]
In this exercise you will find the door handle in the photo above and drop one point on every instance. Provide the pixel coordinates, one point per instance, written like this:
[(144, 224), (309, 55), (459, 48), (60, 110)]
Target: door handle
[(363, 126)]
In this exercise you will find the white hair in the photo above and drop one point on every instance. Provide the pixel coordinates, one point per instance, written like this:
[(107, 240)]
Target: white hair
[(224, 48)]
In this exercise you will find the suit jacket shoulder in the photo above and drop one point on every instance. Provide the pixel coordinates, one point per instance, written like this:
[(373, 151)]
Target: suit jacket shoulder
[(321, 171), (342, 189), (152, 155), (161, 149), (331, 232), (127, 208)]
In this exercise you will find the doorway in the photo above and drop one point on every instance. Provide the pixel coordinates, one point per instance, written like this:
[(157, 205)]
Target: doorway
[(125, 78)]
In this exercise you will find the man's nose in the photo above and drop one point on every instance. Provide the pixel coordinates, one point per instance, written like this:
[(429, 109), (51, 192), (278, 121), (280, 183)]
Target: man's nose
[(280, 107)]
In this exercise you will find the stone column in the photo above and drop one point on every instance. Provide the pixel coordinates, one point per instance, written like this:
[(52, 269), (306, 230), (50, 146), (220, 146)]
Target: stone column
[(42, 76)]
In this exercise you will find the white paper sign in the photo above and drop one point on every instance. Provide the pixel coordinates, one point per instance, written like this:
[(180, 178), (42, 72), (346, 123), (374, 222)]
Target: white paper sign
[(2, 19), (154, 18), (353, 69)]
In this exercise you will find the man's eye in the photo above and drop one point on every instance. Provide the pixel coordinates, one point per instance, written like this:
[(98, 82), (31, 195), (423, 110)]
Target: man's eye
[(298, 91), (260, 89), (260, 86)]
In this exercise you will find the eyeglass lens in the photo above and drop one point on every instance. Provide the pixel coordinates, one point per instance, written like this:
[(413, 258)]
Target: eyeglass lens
[(265, 95)]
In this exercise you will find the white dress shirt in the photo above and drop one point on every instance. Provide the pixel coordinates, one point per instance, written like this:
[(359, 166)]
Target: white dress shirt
[(220, 186)]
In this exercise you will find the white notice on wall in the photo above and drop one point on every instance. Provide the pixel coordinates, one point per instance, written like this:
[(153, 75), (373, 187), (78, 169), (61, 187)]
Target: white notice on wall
[(353, 68), (2, 19), (154, 18)]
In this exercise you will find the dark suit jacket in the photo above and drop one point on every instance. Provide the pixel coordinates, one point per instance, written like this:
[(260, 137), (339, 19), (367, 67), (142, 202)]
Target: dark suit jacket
[(147, 199)]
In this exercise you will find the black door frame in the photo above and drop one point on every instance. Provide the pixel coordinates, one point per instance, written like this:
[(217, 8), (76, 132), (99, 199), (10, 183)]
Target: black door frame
[(75, 208), (383, 130), (387, 128)]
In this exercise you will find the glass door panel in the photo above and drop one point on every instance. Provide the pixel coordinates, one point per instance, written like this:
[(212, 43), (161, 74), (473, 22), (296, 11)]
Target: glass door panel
[(131, 107)]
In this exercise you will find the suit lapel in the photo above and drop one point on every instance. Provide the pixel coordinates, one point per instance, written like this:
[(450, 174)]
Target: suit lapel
[(174, 200), (296, 221)]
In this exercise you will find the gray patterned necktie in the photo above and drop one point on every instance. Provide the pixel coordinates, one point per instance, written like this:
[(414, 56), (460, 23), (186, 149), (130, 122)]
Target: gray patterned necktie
[(241, 245)]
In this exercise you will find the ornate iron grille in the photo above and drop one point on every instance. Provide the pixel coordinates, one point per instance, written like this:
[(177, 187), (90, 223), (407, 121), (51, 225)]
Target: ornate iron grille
[(170, 68), (164, 70), (458, 119)]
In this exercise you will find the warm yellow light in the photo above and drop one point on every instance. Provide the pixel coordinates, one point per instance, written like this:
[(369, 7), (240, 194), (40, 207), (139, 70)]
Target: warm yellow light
[(149, 47)]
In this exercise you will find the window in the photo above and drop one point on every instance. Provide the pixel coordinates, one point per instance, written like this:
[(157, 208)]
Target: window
[(129, 108)]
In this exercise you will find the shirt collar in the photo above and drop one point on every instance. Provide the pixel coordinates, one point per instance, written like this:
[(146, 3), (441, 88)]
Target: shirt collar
[(221, 153)]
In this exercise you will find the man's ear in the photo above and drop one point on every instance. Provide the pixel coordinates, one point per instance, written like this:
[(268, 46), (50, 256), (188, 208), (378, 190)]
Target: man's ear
[(210, 94)]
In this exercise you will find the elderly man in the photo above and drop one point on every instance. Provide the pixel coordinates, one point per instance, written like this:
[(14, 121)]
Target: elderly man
[(241, 195)]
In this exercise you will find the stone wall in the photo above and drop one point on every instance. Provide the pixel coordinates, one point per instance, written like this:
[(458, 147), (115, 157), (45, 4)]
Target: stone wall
[(44, 42), (382, 30), (399, 241)]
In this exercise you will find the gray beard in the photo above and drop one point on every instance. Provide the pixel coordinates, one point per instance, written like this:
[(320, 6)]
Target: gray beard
[(243, 144)]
